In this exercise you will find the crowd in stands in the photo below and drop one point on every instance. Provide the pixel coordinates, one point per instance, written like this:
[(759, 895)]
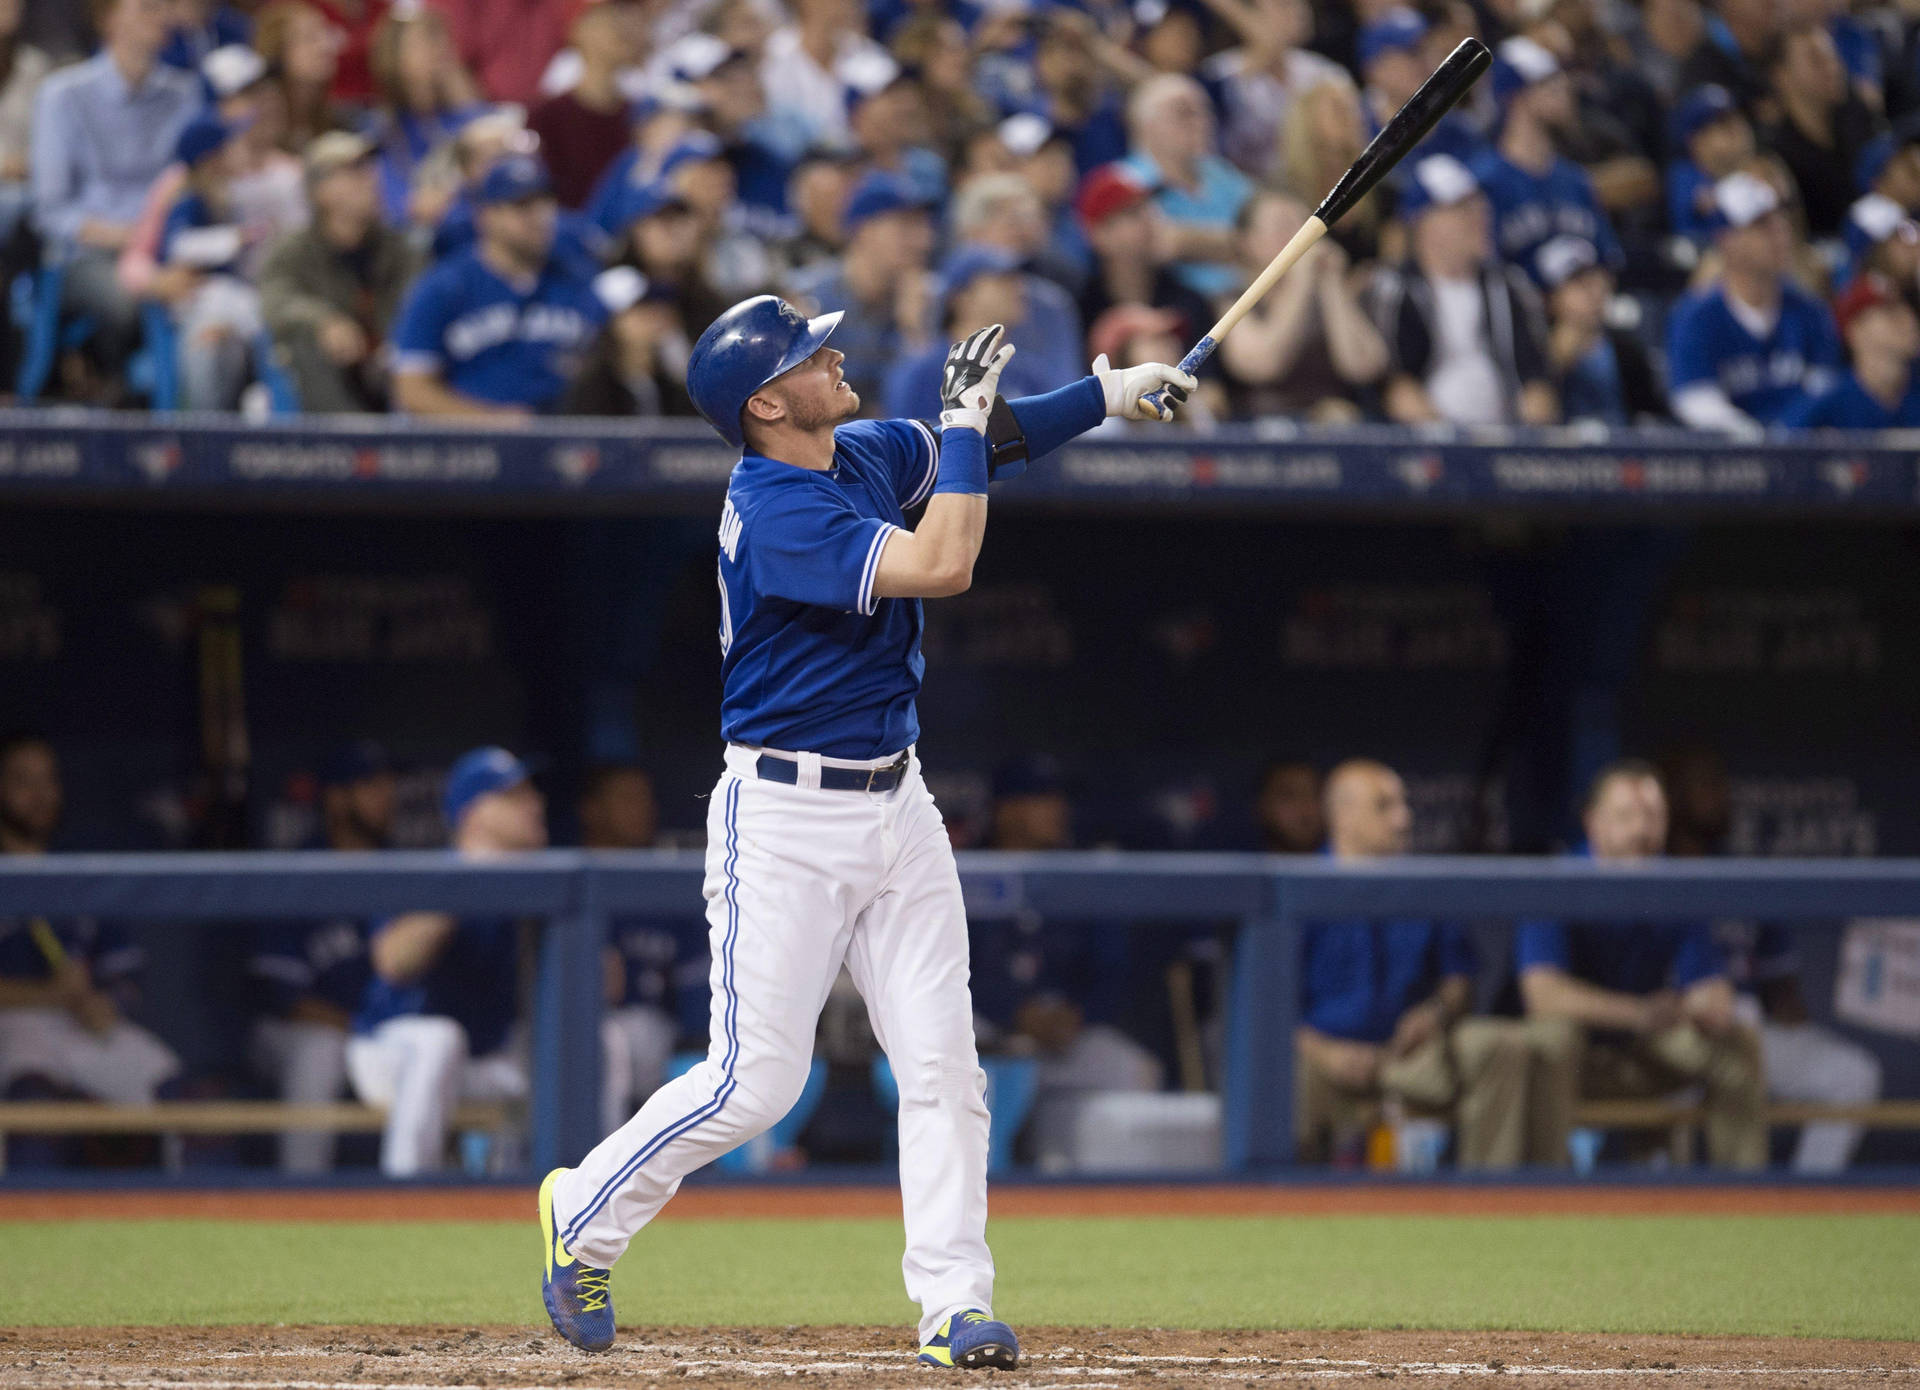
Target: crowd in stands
[(1698, 211), (417, 1013)]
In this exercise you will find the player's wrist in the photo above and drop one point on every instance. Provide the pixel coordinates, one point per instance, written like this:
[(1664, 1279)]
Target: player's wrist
[(964, 418)]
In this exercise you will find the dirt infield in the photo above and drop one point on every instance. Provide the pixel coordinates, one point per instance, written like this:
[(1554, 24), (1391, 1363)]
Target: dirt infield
[(830, 1202), (1058, 1358)]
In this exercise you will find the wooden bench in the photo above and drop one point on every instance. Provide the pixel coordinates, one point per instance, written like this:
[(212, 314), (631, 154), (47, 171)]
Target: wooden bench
[(1682, 1120), (173, 1120)]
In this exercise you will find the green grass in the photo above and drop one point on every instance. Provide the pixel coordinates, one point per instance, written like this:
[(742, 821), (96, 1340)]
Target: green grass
[(1796, 1275)]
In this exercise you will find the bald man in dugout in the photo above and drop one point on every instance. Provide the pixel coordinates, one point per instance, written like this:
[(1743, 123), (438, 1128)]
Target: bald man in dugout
[(1386, 1010)]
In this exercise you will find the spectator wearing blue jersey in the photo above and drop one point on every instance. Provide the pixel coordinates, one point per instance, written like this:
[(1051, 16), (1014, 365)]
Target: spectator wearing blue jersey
[(1465, 333), (1601, 373), (1711, 139), (497, 332), (1878, 391), (312, 975), (1536, 194), (436, 1022), (882, 284), (1638, 1009), (657, 990), (1385, 1007), (1823, 125), (1742, 352), (64, 984), (1199, 194), (219, 318), (199, 27), (102, 133)]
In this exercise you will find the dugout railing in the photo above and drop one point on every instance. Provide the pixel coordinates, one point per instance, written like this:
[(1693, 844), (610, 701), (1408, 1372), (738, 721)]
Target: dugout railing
[(575, 894)]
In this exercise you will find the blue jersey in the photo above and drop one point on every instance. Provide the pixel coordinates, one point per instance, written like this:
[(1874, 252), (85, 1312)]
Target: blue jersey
[(811, 660), (1634, 958), (1530, 210), (1850, 406), (1765, 377), (1358, 977), (326, 961), (1690, 201), (475, 982), (665, 965), (498, 342)]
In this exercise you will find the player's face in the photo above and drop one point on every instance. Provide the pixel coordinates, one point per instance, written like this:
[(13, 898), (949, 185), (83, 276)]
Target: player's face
[(30, 794), (815, 394), (1377, 819), (1628, 820), (367, 805), (1290, 811), (513, 819)]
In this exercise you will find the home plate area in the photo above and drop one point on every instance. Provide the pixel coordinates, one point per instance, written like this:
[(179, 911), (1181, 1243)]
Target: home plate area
[(1058, 1358)]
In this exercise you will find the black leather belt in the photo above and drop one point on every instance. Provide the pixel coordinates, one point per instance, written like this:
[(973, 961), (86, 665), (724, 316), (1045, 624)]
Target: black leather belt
[(834, 779)]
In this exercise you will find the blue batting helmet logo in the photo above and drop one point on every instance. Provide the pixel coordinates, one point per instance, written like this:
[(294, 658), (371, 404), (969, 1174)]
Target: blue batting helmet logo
[(745, 348)]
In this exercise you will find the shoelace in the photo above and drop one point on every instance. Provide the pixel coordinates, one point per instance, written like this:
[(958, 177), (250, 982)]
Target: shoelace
[(592, 1284)]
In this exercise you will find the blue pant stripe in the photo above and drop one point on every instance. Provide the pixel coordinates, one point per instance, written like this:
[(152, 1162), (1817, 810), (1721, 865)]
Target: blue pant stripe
[(729, 1023)]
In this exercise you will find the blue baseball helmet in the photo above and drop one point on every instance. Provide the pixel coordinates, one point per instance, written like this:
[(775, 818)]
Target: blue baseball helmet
[(755, 341)]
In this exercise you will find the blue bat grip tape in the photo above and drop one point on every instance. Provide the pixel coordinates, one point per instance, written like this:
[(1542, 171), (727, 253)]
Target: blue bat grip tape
[(1189, 364)]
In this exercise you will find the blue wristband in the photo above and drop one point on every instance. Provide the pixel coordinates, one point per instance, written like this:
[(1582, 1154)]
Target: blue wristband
[(963, 462)]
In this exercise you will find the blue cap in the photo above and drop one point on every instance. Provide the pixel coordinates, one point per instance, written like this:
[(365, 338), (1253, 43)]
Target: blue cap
[(206, 134), (755, 341), (479, 773), (694, 146), (1702, 107), (1395, 31), (1439, 180), (637, 201), (1873, 161), (1518, 64), (355, 763), (968, 263), (514, 179), (880, 193)]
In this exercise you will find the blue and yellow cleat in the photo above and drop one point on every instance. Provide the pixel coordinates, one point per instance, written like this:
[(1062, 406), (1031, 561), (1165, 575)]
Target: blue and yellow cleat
[(972, 1341), (577, 1297)]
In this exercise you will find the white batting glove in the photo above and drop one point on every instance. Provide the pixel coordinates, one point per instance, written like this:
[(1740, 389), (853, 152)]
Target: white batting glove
[(1127, 387), (971, 378)]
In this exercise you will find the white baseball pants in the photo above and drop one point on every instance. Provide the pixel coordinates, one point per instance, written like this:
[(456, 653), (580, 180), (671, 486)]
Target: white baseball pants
[(307, 1063), (798, 880), (1806, 1062), (125, 1065), (417, 1069)]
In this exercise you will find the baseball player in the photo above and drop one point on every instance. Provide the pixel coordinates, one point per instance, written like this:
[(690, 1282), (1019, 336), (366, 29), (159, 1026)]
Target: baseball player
[(823, 844)]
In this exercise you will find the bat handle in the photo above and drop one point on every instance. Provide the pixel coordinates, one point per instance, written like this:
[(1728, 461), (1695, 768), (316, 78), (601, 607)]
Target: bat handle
[(1189, 364)]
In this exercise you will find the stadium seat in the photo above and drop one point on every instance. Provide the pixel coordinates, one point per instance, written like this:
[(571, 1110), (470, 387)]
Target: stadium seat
[(155, 370), (44, 336)]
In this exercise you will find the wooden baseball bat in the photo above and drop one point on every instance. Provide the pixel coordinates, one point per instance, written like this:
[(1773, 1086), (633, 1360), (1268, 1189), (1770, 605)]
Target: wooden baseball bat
[(1409, 126)]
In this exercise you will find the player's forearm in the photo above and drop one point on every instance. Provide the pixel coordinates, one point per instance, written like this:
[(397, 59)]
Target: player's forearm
[(1550, 992), (1710, 1004), (408, 946), (1053, 419)]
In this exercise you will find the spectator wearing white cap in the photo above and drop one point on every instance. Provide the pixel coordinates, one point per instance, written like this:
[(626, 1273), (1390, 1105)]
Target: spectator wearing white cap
[(1882, 239), (329, 291), (1601, 373), (584, 129), (1879, 391), (808, 65), (721, 83), (1465, 332), (638, 366), (1535, 193), (1199, 194), (1259, 81), (1743, 351)]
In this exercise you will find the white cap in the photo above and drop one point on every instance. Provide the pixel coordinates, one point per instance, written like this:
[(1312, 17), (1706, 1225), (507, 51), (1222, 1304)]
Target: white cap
[(1878, 216), (868, 71), (232, 68), (1742, 199), (694, 57), (1532, 61), (1024, 133), (1565, 257), (620, 289), (1444, 180)]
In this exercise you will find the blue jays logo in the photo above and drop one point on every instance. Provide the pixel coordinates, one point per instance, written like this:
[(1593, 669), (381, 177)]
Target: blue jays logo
[(792, 316)]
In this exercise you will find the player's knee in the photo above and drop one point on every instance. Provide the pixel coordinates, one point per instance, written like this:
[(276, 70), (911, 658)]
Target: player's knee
[(763, 1098), (1855, 1076), (436, 1043), (937, 1083), (1555, 1041)]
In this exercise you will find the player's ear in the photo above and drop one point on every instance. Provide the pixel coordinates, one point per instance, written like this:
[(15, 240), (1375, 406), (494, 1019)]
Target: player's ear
[(765, 408)]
